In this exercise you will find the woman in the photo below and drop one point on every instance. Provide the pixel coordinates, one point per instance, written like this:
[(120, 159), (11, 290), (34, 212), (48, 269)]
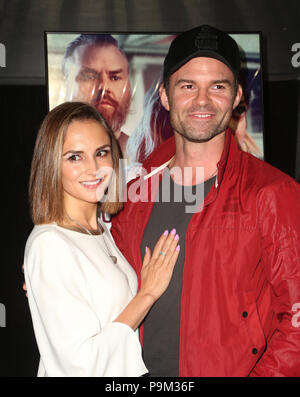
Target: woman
[(81, 291)]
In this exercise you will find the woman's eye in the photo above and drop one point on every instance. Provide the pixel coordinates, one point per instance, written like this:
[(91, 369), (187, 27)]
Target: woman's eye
[(102, 153), (74, 157)]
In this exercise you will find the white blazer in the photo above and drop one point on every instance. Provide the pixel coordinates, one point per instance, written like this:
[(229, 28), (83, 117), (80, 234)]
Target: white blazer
[(75, 292)]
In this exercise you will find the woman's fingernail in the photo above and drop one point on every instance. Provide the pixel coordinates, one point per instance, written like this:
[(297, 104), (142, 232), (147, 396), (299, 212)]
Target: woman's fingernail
[(178, 247), (173, 231), (146, 249), (166, 232), (176, 237)]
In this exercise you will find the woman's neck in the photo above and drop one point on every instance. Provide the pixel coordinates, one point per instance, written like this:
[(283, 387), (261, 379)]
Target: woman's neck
[(83, 214)]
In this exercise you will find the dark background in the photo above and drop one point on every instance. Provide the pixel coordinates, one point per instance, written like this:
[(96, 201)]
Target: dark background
[(23, 104)]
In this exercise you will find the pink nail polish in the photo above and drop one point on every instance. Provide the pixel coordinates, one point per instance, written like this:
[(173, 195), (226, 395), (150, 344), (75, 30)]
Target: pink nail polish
[(176, 237), (173, 231), (178, 247), (146, 249), (166, 232)]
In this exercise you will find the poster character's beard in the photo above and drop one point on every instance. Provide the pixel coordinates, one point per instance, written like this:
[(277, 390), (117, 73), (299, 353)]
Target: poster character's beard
[(116, 113)]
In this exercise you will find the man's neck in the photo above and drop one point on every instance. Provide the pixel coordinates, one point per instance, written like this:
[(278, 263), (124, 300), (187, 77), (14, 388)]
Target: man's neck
[(198, 161)]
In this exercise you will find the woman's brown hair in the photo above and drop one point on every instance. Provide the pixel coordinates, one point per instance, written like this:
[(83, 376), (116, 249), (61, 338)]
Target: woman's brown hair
[(45, 186)]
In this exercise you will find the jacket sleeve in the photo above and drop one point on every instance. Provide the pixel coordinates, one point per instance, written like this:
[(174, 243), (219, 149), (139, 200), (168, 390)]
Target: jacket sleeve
[(120, 234), (280, 228), (121, 230), (71, 338)]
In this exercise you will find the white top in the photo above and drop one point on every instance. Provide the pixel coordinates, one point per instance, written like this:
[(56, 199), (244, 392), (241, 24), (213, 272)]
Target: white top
[(75, 292)]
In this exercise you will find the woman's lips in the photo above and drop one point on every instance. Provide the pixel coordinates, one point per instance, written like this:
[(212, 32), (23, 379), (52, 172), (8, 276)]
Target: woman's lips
[(92, 184)]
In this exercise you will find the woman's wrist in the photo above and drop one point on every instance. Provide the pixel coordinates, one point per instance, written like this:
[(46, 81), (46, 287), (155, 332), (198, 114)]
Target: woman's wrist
[(146, 297), (136, 310)]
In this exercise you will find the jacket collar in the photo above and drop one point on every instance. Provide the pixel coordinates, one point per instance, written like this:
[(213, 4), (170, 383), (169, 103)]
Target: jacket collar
[(163, 155)]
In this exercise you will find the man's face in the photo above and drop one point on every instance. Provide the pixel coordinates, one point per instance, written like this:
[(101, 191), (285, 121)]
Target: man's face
[(200, 98), (99, 75)]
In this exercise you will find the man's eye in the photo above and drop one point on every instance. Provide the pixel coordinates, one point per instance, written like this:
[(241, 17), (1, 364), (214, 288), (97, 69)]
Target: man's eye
[(115, 77), (188, 86), (87, 76), (219, 87)]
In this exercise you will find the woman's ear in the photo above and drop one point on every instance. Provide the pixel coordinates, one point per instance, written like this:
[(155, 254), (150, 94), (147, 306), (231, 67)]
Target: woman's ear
[(163, 97)]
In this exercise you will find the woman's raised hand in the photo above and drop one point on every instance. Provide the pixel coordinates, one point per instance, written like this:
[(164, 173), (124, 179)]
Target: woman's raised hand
[(158, 268)]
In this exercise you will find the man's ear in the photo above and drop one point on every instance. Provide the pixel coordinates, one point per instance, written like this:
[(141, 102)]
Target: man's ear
[(239, 93), (163, 97)]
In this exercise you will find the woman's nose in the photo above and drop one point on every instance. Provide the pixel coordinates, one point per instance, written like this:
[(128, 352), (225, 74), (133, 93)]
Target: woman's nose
[(92, 166)]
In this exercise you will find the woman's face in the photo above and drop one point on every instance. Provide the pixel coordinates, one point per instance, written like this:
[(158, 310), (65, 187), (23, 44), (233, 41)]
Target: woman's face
[(87, 163)]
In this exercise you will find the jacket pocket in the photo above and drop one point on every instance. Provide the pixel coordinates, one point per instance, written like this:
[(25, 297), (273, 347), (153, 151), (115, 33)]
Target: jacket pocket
[(251, 323)]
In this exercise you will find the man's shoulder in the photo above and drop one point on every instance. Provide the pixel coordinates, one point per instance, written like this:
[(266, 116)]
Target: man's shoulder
[(262, 175)]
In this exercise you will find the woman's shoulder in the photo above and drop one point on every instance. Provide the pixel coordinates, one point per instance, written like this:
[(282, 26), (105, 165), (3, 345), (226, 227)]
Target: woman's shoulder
[(49, 245), (52, 254), (44, 231), (47, 235)]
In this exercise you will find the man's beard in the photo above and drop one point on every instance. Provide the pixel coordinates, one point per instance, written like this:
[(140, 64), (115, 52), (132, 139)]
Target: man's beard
[(116, 114), (194, 134)]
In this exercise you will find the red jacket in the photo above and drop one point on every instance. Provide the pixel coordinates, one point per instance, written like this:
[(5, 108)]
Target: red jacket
[(240, 302)]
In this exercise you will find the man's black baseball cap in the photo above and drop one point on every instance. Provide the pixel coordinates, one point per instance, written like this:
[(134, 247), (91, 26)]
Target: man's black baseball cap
[(203, 41)]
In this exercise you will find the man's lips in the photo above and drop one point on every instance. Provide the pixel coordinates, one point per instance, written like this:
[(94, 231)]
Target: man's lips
[(202, 115), (106, 102)]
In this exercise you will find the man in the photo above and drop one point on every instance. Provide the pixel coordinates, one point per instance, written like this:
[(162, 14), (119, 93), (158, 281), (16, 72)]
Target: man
[(96, 71), (232, 307)]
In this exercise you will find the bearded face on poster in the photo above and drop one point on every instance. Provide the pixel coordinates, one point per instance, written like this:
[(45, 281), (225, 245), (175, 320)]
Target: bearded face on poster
[(96, 71)]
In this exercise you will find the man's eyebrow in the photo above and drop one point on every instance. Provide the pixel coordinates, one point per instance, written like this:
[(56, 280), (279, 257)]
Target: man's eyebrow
[(117, 71), (222, 81), (219, 81), (87, 69), (180, 81)]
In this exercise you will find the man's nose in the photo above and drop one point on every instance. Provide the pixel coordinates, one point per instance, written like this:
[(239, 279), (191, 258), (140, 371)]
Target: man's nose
[(103, 84), (202, 96)]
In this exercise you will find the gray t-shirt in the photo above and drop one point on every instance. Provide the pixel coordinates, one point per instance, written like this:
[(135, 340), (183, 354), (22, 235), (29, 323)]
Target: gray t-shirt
[(162, 324)]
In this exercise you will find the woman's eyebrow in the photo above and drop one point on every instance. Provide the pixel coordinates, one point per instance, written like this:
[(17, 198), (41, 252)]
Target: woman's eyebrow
[(73, 152), (107, 145), (81, 151)]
